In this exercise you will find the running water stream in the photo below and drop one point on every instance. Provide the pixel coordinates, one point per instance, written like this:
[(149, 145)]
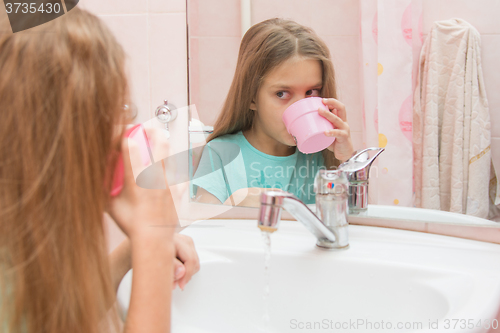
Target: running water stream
[(267, 261)]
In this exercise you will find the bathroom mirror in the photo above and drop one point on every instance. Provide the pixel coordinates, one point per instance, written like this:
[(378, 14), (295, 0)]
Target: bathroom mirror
[(215, 29)]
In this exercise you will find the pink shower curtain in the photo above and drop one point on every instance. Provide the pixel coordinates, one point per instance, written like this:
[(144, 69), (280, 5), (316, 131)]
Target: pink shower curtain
[(391, 39)]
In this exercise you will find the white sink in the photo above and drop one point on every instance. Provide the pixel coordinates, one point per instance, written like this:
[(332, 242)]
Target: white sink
[(424, 215), (387, 277)]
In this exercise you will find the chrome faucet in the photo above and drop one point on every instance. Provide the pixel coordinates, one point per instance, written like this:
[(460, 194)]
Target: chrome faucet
[(329, 224), (357, 170)]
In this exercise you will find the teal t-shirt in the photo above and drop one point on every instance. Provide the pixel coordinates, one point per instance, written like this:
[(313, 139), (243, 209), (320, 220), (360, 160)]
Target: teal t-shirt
[(229, 163)]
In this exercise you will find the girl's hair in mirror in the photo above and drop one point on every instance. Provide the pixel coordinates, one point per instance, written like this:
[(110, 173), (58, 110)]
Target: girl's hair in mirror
[(62, 91), (265, 46)]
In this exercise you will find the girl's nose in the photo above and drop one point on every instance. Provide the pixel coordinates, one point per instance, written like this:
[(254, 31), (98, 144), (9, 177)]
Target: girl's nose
[(298, 98)]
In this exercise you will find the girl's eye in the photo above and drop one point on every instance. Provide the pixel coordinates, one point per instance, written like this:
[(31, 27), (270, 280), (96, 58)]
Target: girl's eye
[(282, 94), (313, 92)]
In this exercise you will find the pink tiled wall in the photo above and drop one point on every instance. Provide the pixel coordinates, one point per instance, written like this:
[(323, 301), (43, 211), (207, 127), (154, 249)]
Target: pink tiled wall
[(214, 38), (153, 34), (215, 33)]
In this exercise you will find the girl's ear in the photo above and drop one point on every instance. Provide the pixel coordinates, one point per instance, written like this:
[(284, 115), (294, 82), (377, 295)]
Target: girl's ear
[(253, 106)]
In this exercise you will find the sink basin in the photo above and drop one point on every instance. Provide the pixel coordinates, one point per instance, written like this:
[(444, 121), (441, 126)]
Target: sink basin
[(425, 215), (409, 280)]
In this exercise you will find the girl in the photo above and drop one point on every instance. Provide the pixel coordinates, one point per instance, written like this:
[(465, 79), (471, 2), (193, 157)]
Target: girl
[(279, 63), (62, 95)]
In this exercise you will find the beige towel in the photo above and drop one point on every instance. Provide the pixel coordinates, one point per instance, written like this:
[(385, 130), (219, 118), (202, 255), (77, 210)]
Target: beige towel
[(451, 122)]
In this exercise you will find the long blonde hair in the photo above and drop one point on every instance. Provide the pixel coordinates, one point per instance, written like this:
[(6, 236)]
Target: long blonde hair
[(265, 46), (62, 88)]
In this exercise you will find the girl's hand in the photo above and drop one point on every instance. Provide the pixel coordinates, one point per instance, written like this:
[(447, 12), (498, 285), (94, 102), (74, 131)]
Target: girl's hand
[(142, 213), (149, 219), (342, 146), (187, 262)]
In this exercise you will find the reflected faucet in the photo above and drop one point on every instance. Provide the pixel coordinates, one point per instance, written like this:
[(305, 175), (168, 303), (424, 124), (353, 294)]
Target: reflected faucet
[(329, 224), (357, 170)]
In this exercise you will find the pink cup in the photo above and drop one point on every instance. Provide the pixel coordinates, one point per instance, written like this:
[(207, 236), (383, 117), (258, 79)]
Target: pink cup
[(304, 123)]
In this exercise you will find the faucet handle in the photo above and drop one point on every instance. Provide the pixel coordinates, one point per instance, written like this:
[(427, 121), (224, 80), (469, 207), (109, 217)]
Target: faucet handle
[(361, 159), (358, 166), (363, 155), (330, 182)]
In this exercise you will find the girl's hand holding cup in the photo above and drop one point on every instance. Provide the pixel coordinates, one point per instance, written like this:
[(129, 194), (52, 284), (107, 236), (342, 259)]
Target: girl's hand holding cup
[(335, 113), (138, 211)]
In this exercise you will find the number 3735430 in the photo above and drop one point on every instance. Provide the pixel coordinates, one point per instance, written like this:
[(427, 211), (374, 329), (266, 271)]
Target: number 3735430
[(32, 8)]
